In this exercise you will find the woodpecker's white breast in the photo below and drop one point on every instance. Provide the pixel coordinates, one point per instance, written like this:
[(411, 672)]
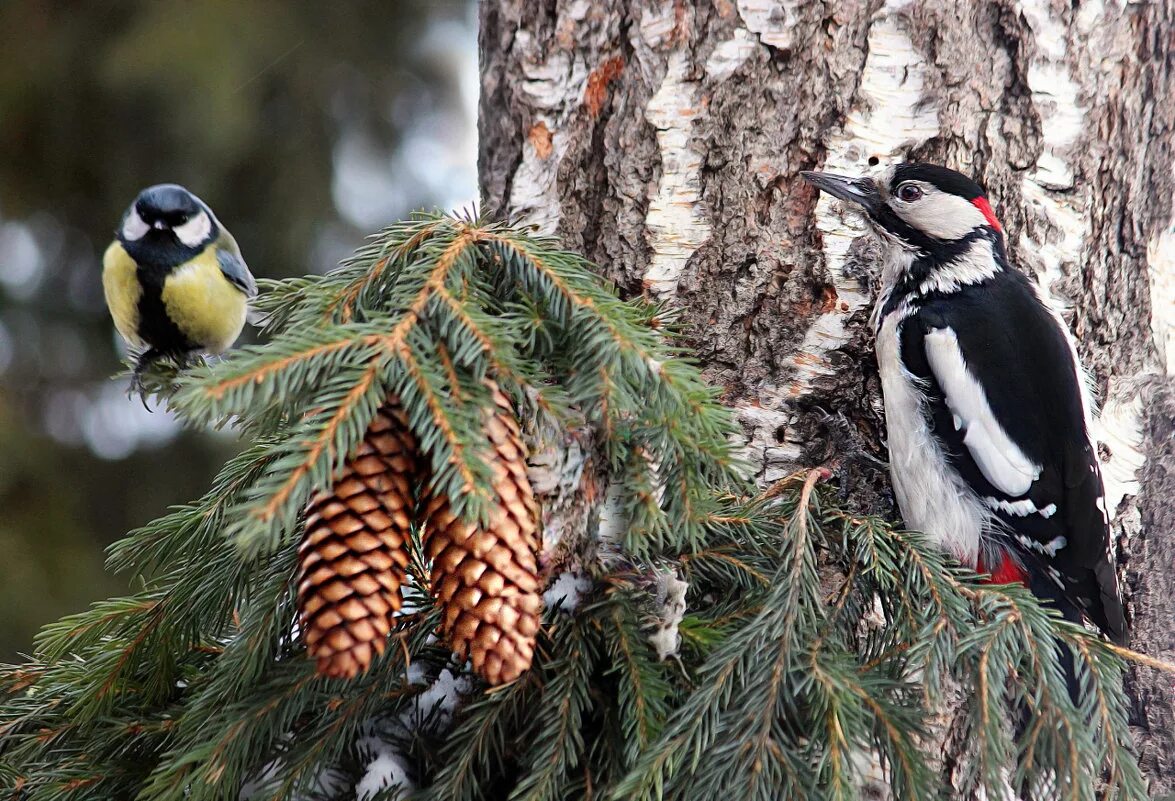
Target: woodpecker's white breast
[(933, 497)]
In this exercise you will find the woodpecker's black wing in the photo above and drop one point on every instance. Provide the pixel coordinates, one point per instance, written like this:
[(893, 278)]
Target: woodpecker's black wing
[(1006, 404), (234, 269)]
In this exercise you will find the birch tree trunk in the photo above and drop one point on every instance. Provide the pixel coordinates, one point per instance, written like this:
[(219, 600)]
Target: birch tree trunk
[(663, 139)]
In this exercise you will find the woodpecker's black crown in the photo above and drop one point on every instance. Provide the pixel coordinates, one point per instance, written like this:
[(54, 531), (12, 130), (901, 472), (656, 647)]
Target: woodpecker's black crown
[(944, 178), (169, 204)]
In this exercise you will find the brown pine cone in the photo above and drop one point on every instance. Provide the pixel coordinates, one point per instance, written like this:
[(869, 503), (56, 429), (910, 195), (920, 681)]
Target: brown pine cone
[(354, 554), (486, 580)]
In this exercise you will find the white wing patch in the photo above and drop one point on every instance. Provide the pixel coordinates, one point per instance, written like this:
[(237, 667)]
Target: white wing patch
[(1018, 508), (1000, 460), (1021, 508), (1049, 548)]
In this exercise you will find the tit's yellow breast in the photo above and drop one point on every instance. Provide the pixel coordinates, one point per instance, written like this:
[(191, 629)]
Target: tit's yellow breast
[(203, 304), (121, 286)]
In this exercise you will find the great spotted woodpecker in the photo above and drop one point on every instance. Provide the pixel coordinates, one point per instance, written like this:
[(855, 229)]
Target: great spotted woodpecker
[(986, 403)]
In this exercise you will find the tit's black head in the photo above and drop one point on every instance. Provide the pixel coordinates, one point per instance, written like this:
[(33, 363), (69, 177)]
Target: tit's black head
[(166, 205), (166, 225), (920, 206)]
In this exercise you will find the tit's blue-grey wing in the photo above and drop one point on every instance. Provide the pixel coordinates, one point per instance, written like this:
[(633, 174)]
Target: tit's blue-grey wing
[(236, 271)]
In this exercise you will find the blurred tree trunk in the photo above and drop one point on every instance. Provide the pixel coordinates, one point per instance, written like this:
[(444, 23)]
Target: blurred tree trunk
[(663, 139)]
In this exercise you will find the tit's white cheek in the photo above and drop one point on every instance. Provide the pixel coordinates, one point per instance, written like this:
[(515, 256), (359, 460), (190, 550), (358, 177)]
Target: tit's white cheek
[(194, 232), (943, 215), (134, 228)]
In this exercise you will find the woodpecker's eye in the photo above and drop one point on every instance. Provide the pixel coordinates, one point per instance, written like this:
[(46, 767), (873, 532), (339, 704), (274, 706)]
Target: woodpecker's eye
[(909, 192)]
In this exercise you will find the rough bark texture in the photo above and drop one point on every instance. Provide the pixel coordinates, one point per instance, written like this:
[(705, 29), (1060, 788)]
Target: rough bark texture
[(664, 138)]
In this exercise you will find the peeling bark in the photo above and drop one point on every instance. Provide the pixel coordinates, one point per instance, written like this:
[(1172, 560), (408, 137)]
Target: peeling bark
[(663, 139)]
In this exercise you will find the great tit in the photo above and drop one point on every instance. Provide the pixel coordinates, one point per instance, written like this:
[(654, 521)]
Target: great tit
[(174, 278)]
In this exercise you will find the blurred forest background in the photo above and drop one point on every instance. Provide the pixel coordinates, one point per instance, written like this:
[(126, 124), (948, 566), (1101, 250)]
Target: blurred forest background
[(304, 125)]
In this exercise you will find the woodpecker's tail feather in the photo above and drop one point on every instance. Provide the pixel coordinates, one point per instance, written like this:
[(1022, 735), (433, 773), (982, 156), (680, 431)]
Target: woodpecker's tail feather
[(1047, 590)]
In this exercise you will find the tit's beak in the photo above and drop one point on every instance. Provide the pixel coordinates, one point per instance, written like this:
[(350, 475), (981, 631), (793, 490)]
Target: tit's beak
[(159, 225), (862, 191)]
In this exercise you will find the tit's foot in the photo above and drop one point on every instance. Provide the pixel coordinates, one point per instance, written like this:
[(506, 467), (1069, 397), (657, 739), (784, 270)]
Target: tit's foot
[(154, 372), (137, 386)]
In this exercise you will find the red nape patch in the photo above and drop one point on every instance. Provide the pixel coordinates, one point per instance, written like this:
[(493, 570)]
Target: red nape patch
[(985, 208), (1008, 571)]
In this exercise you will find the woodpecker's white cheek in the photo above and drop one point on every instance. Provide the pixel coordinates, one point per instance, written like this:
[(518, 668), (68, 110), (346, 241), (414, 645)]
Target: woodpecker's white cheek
[(1000, 459), (134, 228), (941, 215), (195, 231)]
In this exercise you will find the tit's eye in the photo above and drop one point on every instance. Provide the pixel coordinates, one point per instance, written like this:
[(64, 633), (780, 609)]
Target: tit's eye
[(909, 192)]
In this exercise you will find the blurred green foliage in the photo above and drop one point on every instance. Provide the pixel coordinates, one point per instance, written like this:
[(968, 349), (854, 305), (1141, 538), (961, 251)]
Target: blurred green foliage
[(290, 117)]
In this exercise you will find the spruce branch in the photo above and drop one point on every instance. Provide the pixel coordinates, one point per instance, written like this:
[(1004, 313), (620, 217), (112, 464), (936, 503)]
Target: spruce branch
[(342, 306), (644, 689), (558, 745), (478, 748), (312, 451)]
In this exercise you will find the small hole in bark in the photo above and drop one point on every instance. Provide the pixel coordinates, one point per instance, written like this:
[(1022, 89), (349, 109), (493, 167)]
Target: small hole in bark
[(781, 434), (874, 161)]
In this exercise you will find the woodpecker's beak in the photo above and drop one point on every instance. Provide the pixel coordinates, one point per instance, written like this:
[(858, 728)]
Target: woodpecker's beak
[(862, 191)]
